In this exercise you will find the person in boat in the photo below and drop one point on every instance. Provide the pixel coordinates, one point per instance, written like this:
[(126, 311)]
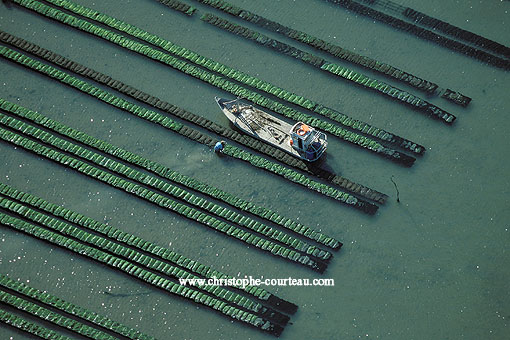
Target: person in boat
[(218, 147)]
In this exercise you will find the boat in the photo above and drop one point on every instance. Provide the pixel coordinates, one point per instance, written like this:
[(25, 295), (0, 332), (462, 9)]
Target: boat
[(299, 140)]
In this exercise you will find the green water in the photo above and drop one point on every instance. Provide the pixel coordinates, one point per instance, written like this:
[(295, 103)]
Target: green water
[(434, 266)]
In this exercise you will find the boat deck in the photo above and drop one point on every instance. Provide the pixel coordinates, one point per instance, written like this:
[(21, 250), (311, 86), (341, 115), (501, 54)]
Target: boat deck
[(260, 124), (274, 130)]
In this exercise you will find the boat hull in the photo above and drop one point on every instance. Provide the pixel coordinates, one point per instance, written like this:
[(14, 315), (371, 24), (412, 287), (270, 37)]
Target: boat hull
[(260, 124)]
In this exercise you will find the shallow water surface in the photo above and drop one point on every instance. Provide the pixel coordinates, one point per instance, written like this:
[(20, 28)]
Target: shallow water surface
[(434, 266)]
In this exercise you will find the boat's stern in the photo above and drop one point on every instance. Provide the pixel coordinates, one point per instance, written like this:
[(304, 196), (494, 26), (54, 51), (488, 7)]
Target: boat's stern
[(307, 141)]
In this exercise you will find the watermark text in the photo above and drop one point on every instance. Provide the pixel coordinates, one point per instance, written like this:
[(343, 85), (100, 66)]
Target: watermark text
[(251, 281)]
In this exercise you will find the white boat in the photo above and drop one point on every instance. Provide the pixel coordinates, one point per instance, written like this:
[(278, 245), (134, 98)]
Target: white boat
[(300, 140)]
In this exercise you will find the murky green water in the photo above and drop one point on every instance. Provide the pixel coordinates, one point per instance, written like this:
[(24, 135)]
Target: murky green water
[(435, 266)]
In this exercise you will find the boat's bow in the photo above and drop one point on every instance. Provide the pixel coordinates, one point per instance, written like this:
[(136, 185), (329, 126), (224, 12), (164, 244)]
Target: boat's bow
[(222, 102)]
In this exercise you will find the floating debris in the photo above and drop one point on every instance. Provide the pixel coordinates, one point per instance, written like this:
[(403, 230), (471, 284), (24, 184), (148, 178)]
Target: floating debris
[(396, 188)]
